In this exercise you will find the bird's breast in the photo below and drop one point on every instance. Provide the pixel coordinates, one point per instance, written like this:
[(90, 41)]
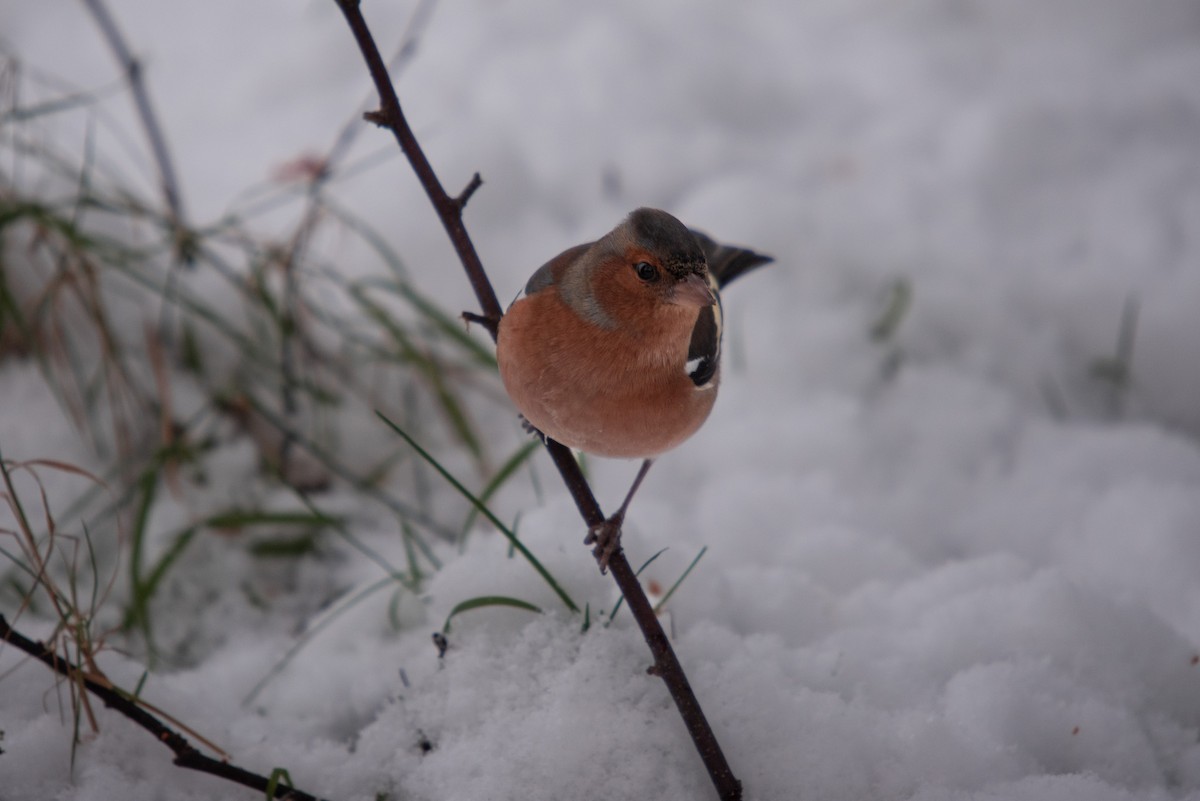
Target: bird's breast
[(620, 393)]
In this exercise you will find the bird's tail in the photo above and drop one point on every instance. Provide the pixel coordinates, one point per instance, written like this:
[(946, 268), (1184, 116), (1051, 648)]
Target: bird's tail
[(727, 262)]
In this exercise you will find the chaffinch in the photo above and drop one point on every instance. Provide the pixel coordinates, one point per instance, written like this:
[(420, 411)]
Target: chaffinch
[(614, 347)]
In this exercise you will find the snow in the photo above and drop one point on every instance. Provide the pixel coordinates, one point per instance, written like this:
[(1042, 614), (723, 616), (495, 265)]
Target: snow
[(953, 564)]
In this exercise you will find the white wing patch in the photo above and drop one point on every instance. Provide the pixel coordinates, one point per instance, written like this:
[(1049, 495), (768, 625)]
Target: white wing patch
[(704, 350)]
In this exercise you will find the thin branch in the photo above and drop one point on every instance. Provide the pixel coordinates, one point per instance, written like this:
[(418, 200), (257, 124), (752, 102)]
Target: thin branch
[(404, 53), (666, 663), (392, 117), (186, 755), (465, 195), (145, 109), (449, 209)]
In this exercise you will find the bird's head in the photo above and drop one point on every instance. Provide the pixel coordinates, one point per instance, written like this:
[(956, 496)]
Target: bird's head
[(650, 264)]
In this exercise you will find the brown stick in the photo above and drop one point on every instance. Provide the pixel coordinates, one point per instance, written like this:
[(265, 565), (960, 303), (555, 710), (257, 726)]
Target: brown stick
[(186, 755), (666, 663), (145, 109), (449, 209)]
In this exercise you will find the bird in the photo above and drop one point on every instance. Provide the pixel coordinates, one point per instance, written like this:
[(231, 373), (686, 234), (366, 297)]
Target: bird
[(613, 347)]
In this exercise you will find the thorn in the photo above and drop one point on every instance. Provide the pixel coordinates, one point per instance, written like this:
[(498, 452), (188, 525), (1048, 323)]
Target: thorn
[(377, 117), (472, 317), (490, 324), (465, 195)]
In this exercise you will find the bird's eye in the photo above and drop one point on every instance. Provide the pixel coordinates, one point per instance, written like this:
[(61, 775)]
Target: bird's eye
[(646, 271)]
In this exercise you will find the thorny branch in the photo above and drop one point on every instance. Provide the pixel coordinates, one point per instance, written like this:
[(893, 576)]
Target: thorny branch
[(186, 755), (449, 209), (145, 110)]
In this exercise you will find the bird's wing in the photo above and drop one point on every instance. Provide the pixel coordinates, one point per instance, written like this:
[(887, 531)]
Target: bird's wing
[(704, 351)]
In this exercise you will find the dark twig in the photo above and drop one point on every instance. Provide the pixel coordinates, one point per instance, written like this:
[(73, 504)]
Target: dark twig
[(465, 195), (182, 240), (390, 116), (186, 755), (404, 53), (145, 110), (666, 664)]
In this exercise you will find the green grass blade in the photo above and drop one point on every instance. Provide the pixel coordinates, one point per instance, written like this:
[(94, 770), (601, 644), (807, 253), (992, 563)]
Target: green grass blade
[(466, 493), (429, 368), (145, 588), (339, 526), (410, 554), (402, 510), (617, 606), (236, 519), (138, 612), (502, 475), (485, 601), (679, 580), (278, 775), (452, 327)]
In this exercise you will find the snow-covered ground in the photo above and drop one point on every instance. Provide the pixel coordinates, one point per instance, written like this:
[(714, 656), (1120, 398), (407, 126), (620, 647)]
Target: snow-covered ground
[(956, 563)]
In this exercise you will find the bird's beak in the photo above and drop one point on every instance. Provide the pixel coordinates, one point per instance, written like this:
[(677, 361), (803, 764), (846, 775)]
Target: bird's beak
[(693, 291)]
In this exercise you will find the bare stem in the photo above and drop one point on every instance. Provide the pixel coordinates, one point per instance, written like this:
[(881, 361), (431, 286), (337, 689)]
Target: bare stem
[(186, 755), (145, 109), (449, 209)]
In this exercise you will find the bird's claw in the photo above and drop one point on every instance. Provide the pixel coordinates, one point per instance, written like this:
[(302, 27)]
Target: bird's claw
[(606, 537), (530, 428)]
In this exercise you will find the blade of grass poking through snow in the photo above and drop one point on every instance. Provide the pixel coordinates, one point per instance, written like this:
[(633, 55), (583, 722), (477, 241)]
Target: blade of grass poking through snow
[(679, 580), (485, 601), (278, 775), (466, 493), (502, 475), (138, 613), (145, 588), (410, 553), (617, 606)]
